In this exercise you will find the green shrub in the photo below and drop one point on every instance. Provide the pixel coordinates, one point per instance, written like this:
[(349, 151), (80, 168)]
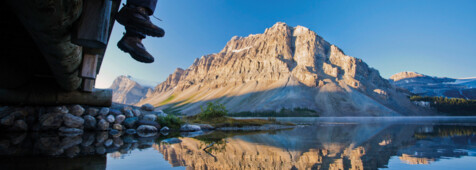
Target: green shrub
[(171, 121), (213, 110)]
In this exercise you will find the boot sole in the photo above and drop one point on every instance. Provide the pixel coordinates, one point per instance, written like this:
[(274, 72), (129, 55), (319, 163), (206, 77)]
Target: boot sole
[(128, 49), (136, 26)]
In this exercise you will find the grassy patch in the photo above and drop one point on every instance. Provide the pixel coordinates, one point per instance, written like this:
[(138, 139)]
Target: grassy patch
[(170, 121), (296, 112), (215, 114), (167, 100)]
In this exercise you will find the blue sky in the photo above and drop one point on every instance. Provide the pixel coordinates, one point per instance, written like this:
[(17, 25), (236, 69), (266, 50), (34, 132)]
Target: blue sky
[(433, 37)]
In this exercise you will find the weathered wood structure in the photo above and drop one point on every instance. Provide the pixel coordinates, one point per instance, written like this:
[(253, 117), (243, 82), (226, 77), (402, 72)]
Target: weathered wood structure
[(54, 50)]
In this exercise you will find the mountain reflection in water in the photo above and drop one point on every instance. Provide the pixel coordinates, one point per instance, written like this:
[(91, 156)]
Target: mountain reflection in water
[(323, 145)]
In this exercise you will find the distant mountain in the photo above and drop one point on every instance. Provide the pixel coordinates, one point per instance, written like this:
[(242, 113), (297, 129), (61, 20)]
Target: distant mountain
[(283, 68), (425, 85), (129, 90)]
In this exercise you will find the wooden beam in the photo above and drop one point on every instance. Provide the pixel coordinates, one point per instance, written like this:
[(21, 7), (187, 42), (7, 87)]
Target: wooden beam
[(90, 62), (98, 97), (92, 28), (88, 85)]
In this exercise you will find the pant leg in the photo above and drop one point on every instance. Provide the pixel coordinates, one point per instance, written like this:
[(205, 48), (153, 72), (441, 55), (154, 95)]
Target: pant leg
[(150, 4)]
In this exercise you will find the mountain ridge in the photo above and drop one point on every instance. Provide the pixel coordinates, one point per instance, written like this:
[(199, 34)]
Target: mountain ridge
[(283, 68), (127, 90)]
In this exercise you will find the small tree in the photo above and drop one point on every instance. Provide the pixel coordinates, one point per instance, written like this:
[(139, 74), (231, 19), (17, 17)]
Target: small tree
[(213, 110)]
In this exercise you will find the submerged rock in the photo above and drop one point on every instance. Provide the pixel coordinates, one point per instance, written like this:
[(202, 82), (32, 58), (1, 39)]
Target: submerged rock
[(131, 131), (165, 129), (189, 128)]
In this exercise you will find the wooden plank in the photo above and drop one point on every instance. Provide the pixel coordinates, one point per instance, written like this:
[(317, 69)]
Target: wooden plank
[(92, 28), (88, 85), (98, 97), (88, 68)]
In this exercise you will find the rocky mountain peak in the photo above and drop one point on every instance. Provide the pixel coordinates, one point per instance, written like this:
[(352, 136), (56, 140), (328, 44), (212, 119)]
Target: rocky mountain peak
[(284, 67), (127, 90), (405, 75)]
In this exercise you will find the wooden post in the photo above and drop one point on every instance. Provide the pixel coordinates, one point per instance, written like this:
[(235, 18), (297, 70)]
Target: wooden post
[(92, 28)]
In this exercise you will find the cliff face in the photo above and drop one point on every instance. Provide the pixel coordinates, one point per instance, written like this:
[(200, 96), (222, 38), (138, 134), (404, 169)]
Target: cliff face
[(126, 90), (285, 67), (425, 85)]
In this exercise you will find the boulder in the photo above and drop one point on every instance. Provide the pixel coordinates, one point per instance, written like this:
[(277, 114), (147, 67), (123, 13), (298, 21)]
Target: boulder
[(103, 125), (117, 127), (114, 112), (151, 123), (146, 128), (104, 111), (147, 107), (149, 117), (120, 119), (110, 118), (92, 111), (128, 113), (89, 122), (161, 113), (51, 120), (60, 109), (20, 125), (73, 121), (206, 127), (77, 110), (130, 122), (136, 112), (126, 108), (8, 120), (189, 128)]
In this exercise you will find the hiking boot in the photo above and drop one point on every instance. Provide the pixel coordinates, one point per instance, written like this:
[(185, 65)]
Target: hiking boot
[(132, 44), (137, 18)]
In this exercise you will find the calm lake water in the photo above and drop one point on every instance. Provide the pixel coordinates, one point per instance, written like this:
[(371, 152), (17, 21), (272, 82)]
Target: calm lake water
[(316, 143)]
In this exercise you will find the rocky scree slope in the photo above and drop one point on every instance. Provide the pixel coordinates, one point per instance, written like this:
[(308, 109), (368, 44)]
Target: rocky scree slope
[(283, 68)]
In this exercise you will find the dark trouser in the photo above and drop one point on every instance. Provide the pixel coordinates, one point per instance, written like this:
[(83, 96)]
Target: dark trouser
[(149, 4)]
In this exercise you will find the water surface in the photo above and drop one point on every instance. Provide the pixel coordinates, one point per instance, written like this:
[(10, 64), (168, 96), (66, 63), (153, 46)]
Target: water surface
[(316, 143)]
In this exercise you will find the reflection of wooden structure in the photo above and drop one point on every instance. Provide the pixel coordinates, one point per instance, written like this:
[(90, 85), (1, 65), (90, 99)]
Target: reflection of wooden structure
[(41, 64)]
